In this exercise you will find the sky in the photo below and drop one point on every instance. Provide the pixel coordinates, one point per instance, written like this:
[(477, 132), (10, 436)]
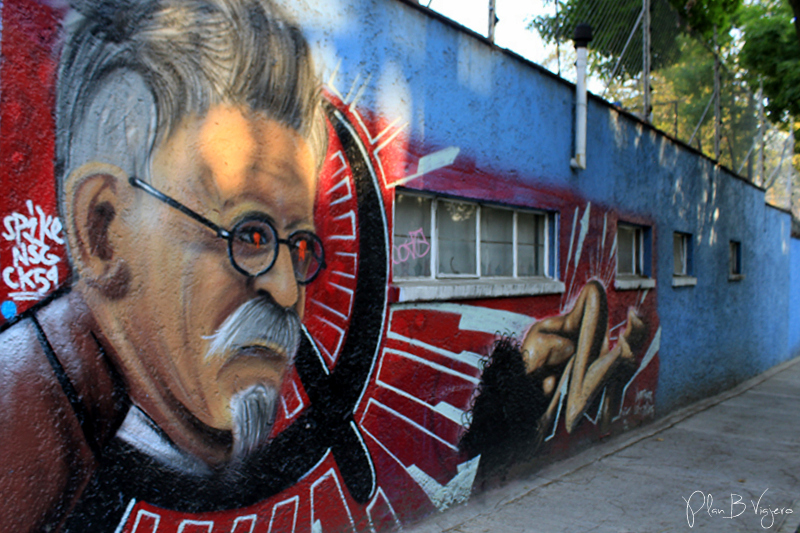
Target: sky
[(511, 31)]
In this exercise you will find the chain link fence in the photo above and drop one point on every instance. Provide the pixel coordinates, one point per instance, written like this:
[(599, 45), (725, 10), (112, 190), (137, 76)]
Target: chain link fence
[(651, 63), (647, 60)]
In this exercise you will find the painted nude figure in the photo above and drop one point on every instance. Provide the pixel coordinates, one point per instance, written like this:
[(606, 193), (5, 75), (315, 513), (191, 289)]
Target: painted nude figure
[(576, 347), (524, 383)]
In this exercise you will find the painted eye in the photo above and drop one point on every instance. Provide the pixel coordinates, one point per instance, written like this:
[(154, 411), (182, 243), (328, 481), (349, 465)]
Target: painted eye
[(253, 246), (307, 255), (253, 236)]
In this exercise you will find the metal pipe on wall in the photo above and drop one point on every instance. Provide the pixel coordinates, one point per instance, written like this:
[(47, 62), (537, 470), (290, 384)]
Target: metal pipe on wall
[(583, 35)]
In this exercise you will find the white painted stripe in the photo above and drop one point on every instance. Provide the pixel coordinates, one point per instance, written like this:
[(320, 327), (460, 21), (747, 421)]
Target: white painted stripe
[(125, 516), (472, 359), (648, 357), (407, 420)]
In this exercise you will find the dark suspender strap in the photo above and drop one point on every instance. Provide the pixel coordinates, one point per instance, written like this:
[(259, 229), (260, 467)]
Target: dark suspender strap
[(66, 385)]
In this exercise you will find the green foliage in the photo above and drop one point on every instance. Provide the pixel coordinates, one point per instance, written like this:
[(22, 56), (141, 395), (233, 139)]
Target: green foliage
[(702, 15), (683, 92), (613, 22), (759, 41), (772, 53)]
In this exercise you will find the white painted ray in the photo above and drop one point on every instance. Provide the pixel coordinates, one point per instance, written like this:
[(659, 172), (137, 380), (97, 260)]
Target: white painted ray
[(429, 163), (395, 122), (450, 412), (299, 408), (407, 420), (352, 88), (470, 358), (342, 166), (343, 274), (360, 92), (371, 506), (339, 330), (330, 474), (436, 366), (648, 357), (605, 229), (561, 400), (194, 524), (383, 144), (457, 489), (613, 252), (618, 325), (579, 248), (565, 298), (391, 137), (445, 409), (475, 318), (142, 513), (328, 308), (599, 409), (125, 516), (351, 216), (584, 232), (332, 79), (295, 500)]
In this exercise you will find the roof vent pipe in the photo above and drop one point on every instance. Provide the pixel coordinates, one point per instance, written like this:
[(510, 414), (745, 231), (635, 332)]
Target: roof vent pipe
[(583, 34)]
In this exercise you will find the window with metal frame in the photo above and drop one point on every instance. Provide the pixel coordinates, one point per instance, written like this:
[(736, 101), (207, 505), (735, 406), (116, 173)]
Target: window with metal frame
[(681, 254), (630, 250), (735, 259), (444, 238)]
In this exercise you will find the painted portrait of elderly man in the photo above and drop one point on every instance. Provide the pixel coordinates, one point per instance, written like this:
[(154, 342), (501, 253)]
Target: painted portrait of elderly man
[(189, 141)]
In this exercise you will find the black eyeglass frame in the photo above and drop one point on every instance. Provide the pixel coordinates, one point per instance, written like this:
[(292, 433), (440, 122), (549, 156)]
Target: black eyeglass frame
[(228, 235)]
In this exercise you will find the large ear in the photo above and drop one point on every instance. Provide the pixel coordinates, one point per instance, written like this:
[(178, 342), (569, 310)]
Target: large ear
[(95, 196)]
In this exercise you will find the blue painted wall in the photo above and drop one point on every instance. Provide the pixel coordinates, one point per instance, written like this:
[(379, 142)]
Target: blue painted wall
[(515, 119), (794, 298)]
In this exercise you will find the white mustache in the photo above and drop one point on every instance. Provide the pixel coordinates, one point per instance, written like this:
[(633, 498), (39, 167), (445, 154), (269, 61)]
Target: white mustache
[(257, 322)]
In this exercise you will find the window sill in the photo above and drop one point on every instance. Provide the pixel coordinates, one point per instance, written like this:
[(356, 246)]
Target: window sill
[(683, 281), (735, 277), (631, 283), (453, 289)]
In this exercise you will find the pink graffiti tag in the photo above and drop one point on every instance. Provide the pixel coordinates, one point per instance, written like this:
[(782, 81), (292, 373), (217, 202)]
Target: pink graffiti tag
[(412, 248)]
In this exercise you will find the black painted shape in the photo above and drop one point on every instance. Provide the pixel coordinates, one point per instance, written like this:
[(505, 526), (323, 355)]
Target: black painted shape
[(75, 401), (328, 422), (355, 463), (333, 398)]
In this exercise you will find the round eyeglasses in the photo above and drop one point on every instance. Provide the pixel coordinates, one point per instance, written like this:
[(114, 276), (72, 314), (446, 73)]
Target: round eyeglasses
[(253, 243)]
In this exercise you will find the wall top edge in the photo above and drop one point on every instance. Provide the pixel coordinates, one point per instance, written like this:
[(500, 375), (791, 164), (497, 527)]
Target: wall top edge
[(597, 99), (778, 208), (485, 40)]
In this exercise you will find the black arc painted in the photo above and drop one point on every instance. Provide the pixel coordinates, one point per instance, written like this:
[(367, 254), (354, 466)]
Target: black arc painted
[(326, 424)]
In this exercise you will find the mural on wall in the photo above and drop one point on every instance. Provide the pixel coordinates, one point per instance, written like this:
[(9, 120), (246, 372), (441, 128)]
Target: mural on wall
[(225, 349)]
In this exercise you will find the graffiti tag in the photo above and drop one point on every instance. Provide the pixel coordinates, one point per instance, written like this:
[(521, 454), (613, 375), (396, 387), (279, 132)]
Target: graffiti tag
[(415, 247), (34, 269), (644, 403)]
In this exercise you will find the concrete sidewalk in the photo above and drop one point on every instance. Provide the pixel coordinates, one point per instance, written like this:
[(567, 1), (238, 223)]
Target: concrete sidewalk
[(737, 453)]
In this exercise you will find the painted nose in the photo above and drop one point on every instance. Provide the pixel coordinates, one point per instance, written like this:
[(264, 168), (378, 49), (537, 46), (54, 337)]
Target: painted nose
[(279, 281)]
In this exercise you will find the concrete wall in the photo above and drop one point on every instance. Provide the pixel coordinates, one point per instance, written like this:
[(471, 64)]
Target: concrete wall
[(405, 394)]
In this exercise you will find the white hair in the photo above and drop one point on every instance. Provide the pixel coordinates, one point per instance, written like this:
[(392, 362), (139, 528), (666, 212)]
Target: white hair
[(131, 70)]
